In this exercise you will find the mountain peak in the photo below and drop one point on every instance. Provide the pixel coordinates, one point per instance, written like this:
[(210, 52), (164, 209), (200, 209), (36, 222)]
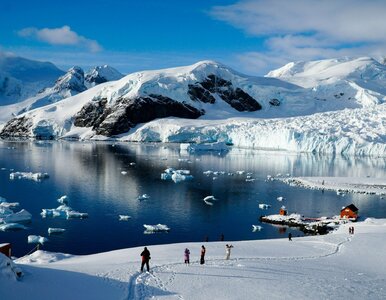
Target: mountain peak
[(72, 81), (101, 74)]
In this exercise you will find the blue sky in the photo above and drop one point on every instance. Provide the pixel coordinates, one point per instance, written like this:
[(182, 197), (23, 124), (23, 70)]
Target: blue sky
[(252, 36)]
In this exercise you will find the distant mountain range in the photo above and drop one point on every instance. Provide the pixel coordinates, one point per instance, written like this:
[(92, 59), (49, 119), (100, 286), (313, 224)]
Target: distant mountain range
[(102, 104)]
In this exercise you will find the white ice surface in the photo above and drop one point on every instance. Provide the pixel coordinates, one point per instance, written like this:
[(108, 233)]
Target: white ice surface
[(317, 267)]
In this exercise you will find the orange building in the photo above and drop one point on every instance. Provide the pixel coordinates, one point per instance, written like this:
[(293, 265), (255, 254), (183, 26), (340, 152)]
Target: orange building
[(283, 211), (349, 212)]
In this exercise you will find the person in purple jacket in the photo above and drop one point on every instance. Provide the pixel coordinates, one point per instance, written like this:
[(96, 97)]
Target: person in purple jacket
[(187, 254)]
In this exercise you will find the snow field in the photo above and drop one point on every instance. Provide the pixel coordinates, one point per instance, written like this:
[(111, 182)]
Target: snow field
[(318, 267)]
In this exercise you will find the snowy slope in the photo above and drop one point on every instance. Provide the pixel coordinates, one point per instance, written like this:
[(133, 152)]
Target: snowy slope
[(21, 78), (362, 80), (318, 267)]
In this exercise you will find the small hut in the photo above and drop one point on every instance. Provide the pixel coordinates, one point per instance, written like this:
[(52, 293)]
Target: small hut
[(5, 249), (349, 212), (283, 211)]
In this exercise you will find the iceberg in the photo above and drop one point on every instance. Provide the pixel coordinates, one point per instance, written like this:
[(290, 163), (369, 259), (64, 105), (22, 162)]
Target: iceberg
[(11, 226), (63, 199), (22, 216), (55, 230), (176, 175), (64, 211), (264, 206), (72, 214), (156, 228), (256, 228), (124, 217), (9, 204), (143, 197), (28, 175), (37, 239)]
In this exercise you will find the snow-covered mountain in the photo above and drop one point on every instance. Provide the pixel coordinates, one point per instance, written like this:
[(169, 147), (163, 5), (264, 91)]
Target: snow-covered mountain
[(206, 88), (101, 74), (331, 115), (21, 78), (71, 83), (361, 80)]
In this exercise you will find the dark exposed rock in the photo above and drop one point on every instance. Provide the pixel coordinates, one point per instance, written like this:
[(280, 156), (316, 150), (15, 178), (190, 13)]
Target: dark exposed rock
[(237, 98), (92, 114), (17, 127), (240, 100), (213, 83), (274, 102), (127, 113), (198, 93)]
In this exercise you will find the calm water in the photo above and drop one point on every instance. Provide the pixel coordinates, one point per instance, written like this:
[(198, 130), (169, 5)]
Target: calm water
[(90, 175)]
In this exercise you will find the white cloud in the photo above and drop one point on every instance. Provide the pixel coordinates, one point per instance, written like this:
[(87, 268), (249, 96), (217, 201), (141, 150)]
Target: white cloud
[(308, 29), (60, 36)]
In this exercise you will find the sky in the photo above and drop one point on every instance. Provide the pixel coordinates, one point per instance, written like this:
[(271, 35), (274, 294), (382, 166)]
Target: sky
[(251, 36)]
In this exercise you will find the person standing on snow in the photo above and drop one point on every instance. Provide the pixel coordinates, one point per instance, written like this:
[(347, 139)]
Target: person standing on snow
[(203, 251), (228, 251), (145, 259), (186, 254)]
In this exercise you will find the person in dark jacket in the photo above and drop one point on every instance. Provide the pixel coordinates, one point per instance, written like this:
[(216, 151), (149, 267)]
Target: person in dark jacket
[(187, 254), (203, 251), (290, 236), (145, 259)]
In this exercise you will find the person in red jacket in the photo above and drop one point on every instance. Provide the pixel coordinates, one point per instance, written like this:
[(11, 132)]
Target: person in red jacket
[(145, 259)]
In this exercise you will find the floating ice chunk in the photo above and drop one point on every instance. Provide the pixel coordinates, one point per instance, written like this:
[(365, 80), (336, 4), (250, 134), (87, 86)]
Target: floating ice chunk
[(36, 239), (124, 217), (132, 164), (28, 175), (53, 212), (210, 198), (22, 216), (64, 211), (55, 230), (123, 172), (264, 206), (72, 214), (143, 197), (176, 175), (9, 204), (208, 203), (166, 176), (5, 211), (280, 198), (63, 199), (240, 172), (207, 173), (156, 228), (11, 226), (256, 228)]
